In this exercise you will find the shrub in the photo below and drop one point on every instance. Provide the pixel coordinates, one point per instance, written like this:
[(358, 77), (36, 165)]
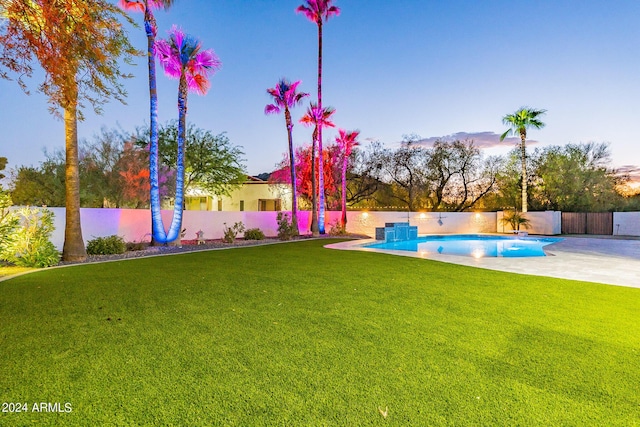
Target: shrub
[(230, 233), (29, 244), (336, 229), (109, 245), (515, 219), (253, 234), (136, 246), (8, 223), (286, 230)]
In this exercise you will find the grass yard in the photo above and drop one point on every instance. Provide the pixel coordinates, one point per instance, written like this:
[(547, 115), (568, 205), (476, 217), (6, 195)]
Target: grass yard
[(296, 335)]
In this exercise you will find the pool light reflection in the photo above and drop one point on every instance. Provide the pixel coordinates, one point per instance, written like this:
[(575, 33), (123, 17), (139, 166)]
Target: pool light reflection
[(477, 253)]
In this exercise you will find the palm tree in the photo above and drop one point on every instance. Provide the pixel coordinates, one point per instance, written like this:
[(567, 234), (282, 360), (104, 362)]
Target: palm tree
[(79, 45), (285, 97), (346, 141), (150, 27), (181, 58), (519, 122), (319, 11), (318, 118)]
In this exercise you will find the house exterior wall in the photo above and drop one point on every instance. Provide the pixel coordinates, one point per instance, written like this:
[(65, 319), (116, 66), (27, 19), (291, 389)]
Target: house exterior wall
[(251, 193)]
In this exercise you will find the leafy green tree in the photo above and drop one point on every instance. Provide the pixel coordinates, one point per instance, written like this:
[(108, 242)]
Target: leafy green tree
[(42, 186), (30, 245), (404, 169), (508, 189), (79, 45), (211, 162), (576, 178), (518, 122), (8, 223), (113, 173), (457, 176), (3, 165)]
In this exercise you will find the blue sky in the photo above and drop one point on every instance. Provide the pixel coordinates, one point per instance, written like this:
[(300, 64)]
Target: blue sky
[(432, 68)]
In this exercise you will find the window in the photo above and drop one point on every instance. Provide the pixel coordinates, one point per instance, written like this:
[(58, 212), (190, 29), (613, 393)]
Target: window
[(219, 204), (269, 205), (241, 205)]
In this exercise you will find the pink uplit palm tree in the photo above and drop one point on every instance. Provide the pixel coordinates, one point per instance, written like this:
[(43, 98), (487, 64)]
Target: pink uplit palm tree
[(317, 117), (285, 96), (181, 58), (346, 141), (318, 12), (150, 26)]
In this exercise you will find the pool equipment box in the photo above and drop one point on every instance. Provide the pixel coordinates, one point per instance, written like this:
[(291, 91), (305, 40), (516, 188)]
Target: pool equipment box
[(397, 232)]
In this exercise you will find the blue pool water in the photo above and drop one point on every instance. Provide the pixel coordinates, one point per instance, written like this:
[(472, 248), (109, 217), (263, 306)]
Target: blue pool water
[(474, 245)]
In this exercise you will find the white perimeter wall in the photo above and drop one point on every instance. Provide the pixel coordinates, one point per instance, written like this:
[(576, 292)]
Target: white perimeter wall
[(626, 223), (134, 225), (547, 222)]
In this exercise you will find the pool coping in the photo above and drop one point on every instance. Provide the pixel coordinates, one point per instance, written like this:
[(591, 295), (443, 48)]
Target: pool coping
[(605, 261)]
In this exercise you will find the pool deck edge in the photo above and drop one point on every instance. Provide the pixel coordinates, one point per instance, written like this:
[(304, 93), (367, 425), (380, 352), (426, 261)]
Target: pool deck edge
[(605, 261)]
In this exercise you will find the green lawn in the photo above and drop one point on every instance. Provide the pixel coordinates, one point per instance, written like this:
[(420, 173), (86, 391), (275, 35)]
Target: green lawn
[(298, 335)]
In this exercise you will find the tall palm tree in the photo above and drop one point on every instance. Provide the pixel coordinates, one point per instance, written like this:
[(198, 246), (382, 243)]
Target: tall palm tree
[(285, 96), (518, 122), (319, 11), (79, 46), (181, 58), (318, 118), (346, 141), (151, 29)]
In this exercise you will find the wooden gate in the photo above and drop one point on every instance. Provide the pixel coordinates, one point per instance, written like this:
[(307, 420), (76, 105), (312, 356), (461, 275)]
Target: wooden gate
[(587, 223)]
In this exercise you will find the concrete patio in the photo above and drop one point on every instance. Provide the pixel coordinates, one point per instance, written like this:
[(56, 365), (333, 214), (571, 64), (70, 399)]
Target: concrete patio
[(602, 259)]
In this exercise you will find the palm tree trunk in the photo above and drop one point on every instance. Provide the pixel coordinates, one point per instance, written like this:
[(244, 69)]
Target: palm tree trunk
[(344, 192), (292, 170), (73, 248), (523, 152), (157, 227), (321, 202), (176, 223), (314, 202)]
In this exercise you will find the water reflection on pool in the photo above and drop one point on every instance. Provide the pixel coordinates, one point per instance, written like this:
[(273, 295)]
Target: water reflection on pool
[(474, 245)]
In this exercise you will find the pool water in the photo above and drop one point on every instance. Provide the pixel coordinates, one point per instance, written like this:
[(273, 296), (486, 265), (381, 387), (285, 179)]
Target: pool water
[(474, 245)]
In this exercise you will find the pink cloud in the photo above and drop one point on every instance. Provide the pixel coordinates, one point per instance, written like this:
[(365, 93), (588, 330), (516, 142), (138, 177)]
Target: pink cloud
[(480, 139)]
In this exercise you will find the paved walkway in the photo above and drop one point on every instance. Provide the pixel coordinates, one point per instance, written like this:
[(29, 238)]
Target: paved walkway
[(613, 261)]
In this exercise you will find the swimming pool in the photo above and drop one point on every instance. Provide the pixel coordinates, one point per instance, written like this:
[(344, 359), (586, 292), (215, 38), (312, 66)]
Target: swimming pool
[(474, 245)]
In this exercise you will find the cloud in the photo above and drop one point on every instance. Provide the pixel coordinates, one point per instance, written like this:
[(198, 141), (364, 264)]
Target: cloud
[(631, 170), (480, 139)]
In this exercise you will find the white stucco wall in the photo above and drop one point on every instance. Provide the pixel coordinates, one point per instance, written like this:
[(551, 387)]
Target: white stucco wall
[(626, 223), (547, 222), (135, 224), (427, 222)]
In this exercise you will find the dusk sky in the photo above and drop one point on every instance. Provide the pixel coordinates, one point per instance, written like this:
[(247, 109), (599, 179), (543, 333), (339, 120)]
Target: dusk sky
[(426, 67)]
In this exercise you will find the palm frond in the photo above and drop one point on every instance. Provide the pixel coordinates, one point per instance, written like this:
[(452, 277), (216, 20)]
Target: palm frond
[(284, 94), (132, 5), (272, 109), (181, 54), (318, 10), (168, 60), (310, 14)]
